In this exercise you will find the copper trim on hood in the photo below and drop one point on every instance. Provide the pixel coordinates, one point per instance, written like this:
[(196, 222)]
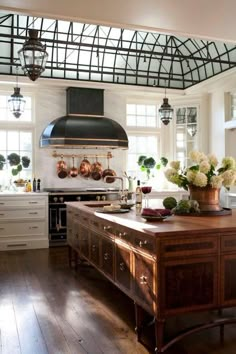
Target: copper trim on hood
[(84, 130)]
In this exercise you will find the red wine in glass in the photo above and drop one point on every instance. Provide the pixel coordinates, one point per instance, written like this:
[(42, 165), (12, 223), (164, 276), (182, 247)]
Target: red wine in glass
[(146, 190)]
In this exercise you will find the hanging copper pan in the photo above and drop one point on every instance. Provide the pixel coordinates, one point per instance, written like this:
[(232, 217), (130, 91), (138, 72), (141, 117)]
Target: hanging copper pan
[(108, 172), (73, 171), (96, 170), (61, 163), (85, 168)]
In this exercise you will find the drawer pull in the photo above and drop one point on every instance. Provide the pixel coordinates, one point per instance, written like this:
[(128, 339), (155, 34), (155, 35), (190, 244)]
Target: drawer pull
[(2, 228), (33, 213), (18, 245), (106, 256), (106, 228), (93, 248), (122, 266), (2, 214), (123, 234), (142, 243), (2, 203), (33, 202), (33, 227), (143, 279)]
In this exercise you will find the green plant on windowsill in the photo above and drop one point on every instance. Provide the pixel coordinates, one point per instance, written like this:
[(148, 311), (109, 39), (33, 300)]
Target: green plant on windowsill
[(148, 164), (18, 163)]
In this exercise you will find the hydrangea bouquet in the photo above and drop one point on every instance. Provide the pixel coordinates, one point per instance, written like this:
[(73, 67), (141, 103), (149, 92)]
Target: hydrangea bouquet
[(203, 172)]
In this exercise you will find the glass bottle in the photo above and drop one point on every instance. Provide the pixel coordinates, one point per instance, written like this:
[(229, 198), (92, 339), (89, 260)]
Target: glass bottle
[(138, 199)]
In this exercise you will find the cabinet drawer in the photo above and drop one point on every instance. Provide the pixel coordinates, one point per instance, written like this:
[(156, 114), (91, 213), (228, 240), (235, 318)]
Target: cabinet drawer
[(123, 274), (107, 256), (123, 234), (144, 242), (94, 248), (228, 242), (22, 214), (189, 246), (22, 228), (19, 202)]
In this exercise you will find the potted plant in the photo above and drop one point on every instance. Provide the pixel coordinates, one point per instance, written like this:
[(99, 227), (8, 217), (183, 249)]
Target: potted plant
[(18, 163), (147, 164)]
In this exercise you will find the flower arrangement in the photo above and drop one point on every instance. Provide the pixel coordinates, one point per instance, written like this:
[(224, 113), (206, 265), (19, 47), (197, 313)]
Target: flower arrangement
[(203, 172)]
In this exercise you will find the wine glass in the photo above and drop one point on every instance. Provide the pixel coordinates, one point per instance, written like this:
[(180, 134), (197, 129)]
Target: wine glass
[(146, 190)]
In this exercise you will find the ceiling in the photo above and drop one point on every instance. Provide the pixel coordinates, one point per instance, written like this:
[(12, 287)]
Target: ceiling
[(98, 53)]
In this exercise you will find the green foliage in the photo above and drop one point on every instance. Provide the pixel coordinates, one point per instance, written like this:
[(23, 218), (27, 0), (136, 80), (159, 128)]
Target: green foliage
[(2, 161), (148, 163), (18, 163)]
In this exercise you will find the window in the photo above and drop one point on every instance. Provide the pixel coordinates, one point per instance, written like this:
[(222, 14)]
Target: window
[(185, 132), (144, 136), (16, 136)]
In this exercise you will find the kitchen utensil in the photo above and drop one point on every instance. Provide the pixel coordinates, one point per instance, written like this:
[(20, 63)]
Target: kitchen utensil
[(61, 164), (73, 171), (62, 173), (109, 172), (85, 168), (96, 170)]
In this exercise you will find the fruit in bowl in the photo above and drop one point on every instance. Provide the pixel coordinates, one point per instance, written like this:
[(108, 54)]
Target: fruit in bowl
[(20, 182), (156, 212)]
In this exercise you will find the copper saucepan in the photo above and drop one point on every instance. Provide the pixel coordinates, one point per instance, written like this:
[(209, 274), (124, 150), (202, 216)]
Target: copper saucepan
[(96, 170), (61, 168), (85, 168), (108, 172), (73, 171)]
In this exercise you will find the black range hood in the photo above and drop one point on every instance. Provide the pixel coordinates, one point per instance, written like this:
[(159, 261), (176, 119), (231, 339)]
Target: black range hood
[(84, 126)]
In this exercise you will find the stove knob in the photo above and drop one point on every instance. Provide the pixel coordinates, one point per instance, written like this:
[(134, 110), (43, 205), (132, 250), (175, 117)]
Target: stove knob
[(98, 197), (61, 199), (55, 199)]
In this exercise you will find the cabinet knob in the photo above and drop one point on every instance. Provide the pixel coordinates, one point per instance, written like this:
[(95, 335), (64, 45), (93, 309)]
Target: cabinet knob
[(122, 234), (142, 243), (106, 228), (122, 266), (93, 248), (106, 256), (143, 279)]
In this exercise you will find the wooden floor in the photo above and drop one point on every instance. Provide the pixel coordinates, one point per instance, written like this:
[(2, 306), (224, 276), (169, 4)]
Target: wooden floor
[(45, 307)]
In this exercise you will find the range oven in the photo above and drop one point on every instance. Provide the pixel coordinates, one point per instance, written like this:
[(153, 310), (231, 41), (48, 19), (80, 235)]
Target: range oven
[(57, 226)]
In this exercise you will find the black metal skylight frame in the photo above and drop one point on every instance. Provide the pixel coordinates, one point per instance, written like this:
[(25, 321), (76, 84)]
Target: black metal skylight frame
[(98, 53)]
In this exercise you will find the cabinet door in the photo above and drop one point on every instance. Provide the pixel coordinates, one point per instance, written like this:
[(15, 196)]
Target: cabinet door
[(83, 240), (123, 267), (228, 280), (144, 280), (189, 284), (107, 256), (94, 248)]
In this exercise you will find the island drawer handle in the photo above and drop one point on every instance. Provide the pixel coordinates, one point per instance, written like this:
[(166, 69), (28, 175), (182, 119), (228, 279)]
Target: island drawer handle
[(141, 243), (106, 256), (143, 279), (123, 234), (106, 228), (93, 248), (122, 266)]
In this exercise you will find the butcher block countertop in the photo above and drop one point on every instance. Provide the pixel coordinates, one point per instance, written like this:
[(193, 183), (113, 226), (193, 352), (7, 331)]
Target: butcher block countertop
[(172, 225)]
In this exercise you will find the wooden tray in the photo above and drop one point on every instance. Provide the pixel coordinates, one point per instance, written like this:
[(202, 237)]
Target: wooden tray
[(223, 211)]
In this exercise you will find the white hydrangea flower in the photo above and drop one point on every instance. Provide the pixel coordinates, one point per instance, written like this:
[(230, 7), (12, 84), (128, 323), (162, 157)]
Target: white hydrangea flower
[(175, 165), (229, 163), (204, 166), (200, 179), (229, 178), (190, 176), (169, 173), (216, 181), (212, 160), (197, 156)]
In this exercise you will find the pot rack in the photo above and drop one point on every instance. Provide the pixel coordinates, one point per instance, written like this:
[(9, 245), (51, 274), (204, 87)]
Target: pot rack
[(107, 156)]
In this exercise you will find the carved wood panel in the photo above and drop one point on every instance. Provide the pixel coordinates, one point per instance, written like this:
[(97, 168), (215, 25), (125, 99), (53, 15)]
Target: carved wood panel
[(229, 279), (123, 274), (189, 284)]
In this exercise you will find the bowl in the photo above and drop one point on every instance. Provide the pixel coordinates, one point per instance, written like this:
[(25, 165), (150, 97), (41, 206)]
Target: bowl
[(126, 205)]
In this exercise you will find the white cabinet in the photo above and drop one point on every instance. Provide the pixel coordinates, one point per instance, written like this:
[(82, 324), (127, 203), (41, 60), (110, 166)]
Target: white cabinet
[(23, 221), (230, 200)]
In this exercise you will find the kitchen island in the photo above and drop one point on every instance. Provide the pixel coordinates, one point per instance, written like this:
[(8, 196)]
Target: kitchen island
[(182, 265)]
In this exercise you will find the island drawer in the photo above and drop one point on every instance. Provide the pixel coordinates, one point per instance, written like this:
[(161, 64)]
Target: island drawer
[(188, 246), (228, 242), (144, 242)]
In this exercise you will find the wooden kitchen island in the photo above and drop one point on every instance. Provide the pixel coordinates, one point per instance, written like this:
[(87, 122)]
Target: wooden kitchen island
[(182, 265)]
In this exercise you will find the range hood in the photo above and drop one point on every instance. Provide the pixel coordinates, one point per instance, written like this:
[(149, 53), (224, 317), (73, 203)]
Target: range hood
[(84, 126)]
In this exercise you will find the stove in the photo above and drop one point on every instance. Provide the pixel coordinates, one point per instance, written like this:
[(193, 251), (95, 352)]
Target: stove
[(57, 228)]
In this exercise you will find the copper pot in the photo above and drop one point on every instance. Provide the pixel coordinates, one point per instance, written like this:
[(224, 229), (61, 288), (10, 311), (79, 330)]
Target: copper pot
[(96, 170), (61, 164), (85, 168), (108, 172), (73, 171), (62, 173)]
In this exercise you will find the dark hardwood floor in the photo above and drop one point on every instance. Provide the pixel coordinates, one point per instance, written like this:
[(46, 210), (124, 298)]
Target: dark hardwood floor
[(45, 307)]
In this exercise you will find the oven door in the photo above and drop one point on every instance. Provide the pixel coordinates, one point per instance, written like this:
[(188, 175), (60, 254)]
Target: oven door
[(57, 223)]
